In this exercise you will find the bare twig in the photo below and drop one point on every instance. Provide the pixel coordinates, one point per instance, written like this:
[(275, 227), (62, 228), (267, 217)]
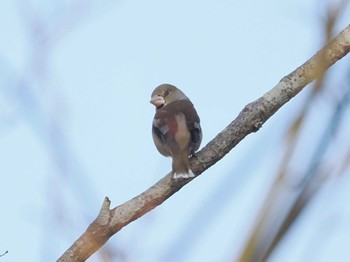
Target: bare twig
[(250, 119)]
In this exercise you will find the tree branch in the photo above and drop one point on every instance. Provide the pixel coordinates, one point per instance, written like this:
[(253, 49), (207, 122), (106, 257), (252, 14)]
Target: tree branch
[(250, 119)]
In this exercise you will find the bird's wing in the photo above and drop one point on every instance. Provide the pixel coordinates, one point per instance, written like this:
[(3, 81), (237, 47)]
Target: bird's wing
[(192, 122)]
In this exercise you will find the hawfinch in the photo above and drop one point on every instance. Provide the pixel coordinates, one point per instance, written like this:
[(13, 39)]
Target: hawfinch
[(176, 130)]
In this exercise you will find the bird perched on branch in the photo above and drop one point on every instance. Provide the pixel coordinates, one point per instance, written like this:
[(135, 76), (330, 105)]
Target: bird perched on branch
[(176, 130)]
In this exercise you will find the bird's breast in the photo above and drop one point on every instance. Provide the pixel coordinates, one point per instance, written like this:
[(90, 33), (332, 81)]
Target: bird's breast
[(182, 135)]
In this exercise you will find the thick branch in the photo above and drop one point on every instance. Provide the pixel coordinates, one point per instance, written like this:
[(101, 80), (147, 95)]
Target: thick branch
[(250, 119)]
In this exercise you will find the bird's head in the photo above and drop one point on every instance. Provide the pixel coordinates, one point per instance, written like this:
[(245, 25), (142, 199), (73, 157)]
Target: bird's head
[(165, 94)]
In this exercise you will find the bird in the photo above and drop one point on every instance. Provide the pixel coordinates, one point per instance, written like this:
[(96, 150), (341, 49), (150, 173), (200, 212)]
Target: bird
[(176, 129)]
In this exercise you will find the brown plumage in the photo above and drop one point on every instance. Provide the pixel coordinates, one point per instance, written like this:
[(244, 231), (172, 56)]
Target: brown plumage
[(176, 128)]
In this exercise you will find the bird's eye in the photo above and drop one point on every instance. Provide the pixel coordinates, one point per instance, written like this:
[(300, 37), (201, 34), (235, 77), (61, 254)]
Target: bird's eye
[(166, 93)]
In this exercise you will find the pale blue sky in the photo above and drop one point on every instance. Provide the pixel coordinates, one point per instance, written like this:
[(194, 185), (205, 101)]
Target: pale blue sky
[(75, 123)]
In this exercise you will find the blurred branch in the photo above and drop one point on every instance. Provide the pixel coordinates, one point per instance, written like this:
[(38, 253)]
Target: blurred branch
[(4, 253), (282, 205), (250, 119), (43, 105), (332, 16), (345, 164), (327, 136), (313, 179)]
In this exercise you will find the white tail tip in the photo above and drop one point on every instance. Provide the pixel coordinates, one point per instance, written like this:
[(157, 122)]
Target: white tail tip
[(183, 175)]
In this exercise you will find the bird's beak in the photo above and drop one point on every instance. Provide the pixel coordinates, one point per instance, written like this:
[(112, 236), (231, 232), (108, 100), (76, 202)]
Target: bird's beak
[(157, 101)]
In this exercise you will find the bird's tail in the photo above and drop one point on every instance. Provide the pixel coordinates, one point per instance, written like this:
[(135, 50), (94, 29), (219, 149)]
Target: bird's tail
[(181, 167)]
